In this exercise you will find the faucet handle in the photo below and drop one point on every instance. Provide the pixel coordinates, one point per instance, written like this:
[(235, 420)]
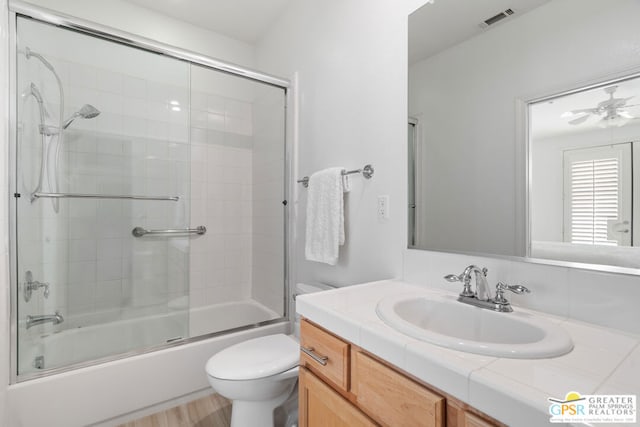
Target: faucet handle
[(516, 289), (466, 291), (454, 278)]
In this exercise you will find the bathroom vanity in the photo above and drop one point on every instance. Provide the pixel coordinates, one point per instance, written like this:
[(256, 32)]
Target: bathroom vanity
[(343, 384), (355, 370)]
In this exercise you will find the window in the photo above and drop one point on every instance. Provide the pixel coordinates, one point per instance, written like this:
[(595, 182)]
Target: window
[(597, 195)]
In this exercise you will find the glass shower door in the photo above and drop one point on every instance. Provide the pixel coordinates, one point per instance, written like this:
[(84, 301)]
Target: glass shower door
[(102, 148)]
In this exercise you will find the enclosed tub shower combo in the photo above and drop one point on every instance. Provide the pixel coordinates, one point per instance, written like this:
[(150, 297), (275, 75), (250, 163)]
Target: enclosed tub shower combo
[(148, 185)]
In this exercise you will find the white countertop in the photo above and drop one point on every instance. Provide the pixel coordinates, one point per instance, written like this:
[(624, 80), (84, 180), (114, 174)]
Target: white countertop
[(514, 391)]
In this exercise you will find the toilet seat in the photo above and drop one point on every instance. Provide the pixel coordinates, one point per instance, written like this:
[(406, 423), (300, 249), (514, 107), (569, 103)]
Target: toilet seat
[(256, 358)]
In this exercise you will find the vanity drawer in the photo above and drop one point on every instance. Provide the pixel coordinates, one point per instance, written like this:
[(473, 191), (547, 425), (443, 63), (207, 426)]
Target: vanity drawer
[(392, 399), (325, 354)]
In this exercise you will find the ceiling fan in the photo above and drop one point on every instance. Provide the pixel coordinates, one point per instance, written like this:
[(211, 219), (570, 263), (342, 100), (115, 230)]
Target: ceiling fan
[(613, 111)]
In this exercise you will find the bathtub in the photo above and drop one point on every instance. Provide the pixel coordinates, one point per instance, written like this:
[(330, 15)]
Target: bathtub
[(81, 344), (131, 384)]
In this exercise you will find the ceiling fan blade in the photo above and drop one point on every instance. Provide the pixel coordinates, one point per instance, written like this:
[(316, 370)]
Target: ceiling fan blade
[(572, 113), (625, 114), (579, 120)]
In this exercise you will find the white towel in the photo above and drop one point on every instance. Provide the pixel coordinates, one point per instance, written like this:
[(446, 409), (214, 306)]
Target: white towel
[(325, 215)]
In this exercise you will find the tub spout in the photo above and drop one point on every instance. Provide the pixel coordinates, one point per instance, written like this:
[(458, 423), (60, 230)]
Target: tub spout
[(47, 318)]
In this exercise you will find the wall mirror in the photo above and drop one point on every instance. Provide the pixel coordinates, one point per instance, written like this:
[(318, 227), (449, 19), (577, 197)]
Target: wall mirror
[(505, 100)]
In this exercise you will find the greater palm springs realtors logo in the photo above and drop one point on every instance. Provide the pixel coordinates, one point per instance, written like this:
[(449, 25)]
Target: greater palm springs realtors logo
[(594, 408)]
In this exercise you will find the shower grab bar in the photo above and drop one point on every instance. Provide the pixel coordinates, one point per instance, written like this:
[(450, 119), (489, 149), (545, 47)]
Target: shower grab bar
[(139, 231), (39, 195), (366, 171)]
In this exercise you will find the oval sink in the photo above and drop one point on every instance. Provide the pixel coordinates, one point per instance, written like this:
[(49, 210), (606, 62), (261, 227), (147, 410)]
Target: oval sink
[(444, 321)]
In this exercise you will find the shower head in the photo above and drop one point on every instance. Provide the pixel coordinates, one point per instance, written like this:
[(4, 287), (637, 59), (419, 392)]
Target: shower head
[(33, 90), (87, 111)]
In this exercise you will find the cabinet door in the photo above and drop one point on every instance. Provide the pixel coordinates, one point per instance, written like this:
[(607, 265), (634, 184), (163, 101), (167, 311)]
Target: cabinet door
[(391, 398), (457, 416), (321, 406), (470, 420)]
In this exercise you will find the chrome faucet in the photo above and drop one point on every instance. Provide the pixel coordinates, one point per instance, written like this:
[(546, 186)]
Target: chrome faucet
[(482, 296), (482, 287), (46, 318)]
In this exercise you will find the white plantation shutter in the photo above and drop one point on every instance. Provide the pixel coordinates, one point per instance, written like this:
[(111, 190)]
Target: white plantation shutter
[(594, 200), (594, 194)]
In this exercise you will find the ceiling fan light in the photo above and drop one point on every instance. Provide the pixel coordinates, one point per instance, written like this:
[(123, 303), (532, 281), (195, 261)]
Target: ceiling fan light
[(567, 114), (613, 120)]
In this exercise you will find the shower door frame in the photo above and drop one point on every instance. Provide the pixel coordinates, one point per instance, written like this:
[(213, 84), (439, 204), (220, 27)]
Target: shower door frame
[(19, 8)]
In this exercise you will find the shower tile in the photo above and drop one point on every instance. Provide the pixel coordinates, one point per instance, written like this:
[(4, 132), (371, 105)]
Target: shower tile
[(134, 87), (216, 155), (108, 294), (158, 129), (108, 102), (198, 136), (199, 119), (199, 100), (238, 141), (135, 108), (109, 81), (215, 137), (110, 146), (158, 92), (198, 152), (109, 123), (109, 269), (79, 142), (82, 250), (83, 75), (238, 126), (110, 208), (134, 127), (158, 111), (82, 228), (215, 121), (215, 174), (82, 272), (179, 95), (82, 208), (216, 104), (238, 109), (110, 248)]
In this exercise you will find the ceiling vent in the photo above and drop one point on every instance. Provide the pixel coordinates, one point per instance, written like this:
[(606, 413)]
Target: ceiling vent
[(497, 18)]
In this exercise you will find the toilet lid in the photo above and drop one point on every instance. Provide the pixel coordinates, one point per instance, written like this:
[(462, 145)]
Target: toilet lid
[(255, 358)]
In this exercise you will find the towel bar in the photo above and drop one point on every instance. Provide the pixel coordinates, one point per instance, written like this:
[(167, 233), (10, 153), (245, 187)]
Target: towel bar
[(366, 171)]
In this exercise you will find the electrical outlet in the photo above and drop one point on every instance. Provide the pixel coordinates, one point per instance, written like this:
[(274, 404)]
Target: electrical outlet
[(383, 207)]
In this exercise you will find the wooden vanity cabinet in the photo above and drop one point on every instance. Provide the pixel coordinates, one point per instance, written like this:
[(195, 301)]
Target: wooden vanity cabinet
[(342, 385)]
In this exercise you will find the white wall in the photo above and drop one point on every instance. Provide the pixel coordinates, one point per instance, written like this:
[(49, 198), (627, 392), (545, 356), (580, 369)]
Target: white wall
[(465, 98), (350, 57)]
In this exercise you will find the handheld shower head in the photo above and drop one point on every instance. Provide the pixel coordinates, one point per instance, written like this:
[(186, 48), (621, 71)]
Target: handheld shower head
[(33, 89), (87, 111)]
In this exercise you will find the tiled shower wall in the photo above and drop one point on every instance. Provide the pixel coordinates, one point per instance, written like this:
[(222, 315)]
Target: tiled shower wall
[(222, 155), (227, 163), (138, 145)]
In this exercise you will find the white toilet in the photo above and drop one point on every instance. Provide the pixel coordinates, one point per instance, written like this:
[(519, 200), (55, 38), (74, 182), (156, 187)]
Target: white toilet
[(258, 375)]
